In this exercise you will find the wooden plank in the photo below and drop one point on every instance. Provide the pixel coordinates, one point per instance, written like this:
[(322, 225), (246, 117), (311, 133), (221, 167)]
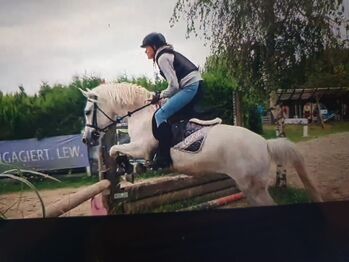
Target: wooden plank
[(187, 193), (71, 201), (216, 194), (107, 170), (169, 184)]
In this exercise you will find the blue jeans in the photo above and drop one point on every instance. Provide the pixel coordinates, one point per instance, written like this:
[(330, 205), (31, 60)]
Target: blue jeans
[(176, 103)]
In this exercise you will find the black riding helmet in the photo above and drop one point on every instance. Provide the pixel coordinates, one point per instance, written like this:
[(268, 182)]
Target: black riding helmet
[(154, 39)]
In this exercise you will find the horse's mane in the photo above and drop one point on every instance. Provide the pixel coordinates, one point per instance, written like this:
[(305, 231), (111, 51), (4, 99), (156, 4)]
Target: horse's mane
[(123, 93)]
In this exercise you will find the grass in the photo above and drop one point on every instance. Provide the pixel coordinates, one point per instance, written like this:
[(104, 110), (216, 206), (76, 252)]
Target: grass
[(172, 207), (149, 174), (175, 206), (75, 182), (295, 132), (290, 195), (282, 196)]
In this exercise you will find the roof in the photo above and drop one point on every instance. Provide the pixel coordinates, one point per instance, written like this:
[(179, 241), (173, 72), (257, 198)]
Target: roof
[(310, 93)]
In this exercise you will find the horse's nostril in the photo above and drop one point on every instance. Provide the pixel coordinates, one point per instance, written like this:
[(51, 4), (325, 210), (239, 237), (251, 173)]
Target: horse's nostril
[(84, 140)]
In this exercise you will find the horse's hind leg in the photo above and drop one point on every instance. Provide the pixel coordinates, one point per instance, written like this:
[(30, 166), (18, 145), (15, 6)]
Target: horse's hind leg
[(260, 197), (255, 188)]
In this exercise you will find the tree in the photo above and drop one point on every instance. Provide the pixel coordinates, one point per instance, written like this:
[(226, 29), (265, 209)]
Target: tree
[(56, 110), (143, 81), (329, 68), (219, 86), (265, 41)]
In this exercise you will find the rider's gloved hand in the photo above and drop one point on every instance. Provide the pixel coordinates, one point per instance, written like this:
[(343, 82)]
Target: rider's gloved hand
[(156, 98)]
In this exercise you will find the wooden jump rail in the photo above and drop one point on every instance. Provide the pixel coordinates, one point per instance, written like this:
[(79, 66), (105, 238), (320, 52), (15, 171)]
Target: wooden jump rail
[(144, 196), (216, 202), (150, 195), (69, 202)]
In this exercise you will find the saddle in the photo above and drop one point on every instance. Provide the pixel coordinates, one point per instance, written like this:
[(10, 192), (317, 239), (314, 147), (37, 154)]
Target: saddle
[(188, 121), (185, 128), (190, 135)]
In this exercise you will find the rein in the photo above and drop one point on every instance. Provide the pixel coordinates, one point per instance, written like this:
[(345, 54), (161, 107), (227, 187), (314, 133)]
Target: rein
[(113, 122)]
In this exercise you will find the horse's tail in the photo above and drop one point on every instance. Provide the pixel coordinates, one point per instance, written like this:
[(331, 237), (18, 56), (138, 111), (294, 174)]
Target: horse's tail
[(283, 152)]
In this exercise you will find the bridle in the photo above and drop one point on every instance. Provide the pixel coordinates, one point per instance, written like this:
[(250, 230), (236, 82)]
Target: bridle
[(113, 122), (94, 118)]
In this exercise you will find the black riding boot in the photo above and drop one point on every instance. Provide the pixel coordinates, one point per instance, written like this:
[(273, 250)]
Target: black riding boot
[(163, 158)]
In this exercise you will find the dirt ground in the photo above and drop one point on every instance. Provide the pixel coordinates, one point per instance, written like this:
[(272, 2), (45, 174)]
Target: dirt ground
[(28, 203), (327, 161)]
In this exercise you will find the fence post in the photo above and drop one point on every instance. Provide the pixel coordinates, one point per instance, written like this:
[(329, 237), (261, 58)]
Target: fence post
[(107, 170), (305, 130), (88, 171)]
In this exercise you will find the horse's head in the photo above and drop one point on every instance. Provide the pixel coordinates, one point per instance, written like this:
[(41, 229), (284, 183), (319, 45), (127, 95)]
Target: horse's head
[(98, 116)]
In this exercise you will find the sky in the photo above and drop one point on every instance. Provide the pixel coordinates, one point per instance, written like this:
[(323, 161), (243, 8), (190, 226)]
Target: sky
[(51, 41)]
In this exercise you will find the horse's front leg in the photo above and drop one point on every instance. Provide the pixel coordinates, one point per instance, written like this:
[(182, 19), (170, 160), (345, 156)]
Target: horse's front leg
[(133, 149)]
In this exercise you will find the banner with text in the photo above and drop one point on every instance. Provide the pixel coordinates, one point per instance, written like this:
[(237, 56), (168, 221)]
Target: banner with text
[(46, 154)]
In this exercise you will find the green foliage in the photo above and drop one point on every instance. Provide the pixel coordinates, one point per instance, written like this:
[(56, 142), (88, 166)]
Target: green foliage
[(266, 42), (56, 110), (144, 82), (287, 196), (254, 120), (218, 88), (329, 68), (150, 174)]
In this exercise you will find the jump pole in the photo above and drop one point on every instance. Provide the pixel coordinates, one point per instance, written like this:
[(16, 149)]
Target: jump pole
[(71, 201), (215, 203)]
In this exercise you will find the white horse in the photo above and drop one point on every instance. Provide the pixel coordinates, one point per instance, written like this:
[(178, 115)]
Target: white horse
[(236, 151)]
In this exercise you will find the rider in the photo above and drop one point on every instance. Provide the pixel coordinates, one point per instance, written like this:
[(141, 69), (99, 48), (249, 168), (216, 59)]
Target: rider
[(184, 81)]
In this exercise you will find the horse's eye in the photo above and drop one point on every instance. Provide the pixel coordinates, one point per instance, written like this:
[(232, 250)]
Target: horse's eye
[(87, 112)]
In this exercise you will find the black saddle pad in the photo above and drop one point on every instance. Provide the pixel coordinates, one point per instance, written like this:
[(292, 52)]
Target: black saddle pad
[(183, 129), (180, 125)]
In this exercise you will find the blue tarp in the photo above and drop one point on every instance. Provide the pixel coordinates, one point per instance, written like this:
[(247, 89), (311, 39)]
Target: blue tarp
[(46, 154)]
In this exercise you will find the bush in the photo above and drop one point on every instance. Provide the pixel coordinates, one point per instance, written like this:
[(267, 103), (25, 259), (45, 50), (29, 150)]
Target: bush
[(254, 119)]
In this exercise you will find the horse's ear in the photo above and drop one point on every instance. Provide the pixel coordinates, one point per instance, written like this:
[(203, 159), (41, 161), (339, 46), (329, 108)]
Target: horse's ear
[(83, 92), (92, 94)]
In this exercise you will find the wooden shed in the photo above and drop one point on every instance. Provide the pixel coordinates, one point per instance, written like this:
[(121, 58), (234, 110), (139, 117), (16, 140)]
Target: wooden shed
[(333, 100)]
